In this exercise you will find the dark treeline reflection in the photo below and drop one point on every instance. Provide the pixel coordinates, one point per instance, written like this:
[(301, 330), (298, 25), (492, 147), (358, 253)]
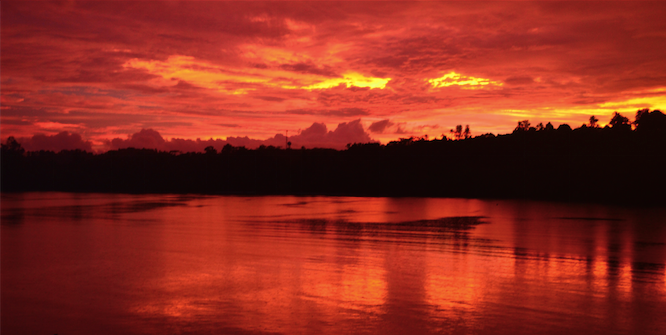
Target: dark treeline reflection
[(446, 228), (622, 162)]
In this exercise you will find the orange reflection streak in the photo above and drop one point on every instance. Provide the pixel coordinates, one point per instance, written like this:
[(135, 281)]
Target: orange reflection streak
[(354, 287), (452, 292), (177, 304), (624, 284), (600, 276), (625, 277), (457, 283)]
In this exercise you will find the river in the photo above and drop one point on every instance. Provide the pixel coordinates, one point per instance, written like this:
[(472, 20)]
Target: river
[(187, 264)]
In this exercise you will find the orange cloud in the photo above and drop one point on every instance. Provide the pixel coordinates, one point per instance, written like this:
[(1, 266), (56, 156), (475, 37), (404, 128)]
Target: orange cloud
[(351, 79), (466, 82), (214, 77)]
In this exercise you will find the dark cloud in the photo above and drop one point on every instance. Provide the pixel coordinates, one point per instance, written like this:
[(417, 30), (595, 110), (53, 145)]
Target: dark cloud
[(315, 136), (519, 80), (270, 98), (317, 129), (229, 125), (61, 141), (146, 139), (380, 126), (16, 122), (310, 68), (348, 112)]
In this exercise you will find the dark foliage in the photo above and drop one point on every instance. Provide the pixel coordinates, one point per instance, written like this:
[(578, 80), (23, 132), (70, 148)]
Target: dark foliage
[(611, 164)]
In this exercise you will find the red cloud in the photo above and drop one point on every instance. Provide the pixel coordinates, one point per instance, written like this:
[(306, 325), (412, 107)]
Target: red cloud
[(145, 139), (380, 126), (61, 141), (315, 136)]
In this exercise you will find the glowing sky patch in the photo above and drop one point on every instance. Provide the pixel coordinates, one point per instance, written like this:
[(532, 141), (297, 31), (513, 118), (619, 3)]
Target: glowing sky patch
[(654, 102), (467, 82), (210, 76), (198, 73), (351, 79)]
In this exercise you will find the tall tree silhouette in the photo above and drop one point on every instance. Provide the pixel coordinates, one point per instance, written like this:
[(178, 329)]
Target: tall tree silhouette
[(650, 122), (523, 125), (540, 126), (620, 122), (458, 133), (12, 146), (210, 150)]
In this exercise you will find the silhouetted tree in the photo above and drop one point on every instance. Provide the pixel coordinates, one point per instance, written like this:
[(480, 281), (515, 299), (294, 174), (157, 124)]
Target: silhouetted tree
[(467, 133), (650, 122), (639, 115), (593, 122), (210, 150), (12, 146), (549, 127), (620, 122), (564, 127), (228, 148), (540, 126), (522, 126), (458, 133)]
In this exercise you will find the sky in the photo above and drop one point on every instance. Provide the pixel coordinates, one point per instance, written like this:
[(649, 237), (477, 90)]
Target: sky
[(182, 75)]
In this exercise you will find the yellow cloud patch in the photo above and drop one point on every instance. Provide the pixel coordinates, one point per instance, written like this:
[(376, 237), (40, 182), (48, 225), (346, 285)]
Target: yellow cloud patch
[(351, 79), (198, 73), (231, 81), (653, 102), (466, 82)]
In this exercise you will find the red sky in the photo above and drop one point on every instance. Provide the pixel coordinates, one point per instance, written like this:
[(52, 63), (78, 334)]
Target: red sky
[(330, 73)]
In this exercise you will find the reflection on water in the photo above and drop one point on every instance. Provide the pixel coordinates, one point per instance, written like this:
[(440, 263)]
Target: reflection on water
[(143, 264)]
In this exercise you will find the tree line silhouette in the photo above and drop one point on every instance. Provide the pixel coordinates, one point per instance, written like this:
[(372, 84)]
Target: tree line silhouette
[(622, 162)]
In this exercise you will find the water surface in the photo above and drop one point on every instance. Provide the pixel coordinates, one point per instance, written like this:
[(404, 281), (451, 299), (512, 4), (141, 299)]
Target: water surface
[(180, 264)]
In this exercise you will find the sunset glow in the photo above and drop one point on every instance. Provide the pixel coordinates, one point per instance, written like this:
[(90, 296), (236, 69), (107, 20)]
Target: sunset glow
[(453, 78), (351, 79), (229, 70)]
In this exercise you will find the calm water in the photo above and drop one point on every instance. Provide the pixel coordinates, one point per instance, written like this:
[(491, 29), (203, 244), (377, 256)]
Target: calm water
[(170, 264)]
